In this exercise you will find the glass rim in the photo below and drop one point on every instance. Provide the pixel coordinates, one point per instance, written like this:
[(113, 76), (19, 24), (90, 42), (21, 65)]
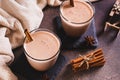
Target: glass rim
[(53, 34), (78, 22)]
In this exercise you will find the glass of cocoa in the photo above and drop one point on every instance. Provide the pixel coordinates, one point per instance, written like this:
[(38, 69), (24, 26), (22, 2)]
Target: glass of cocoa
[(76, 19), (43, 51)]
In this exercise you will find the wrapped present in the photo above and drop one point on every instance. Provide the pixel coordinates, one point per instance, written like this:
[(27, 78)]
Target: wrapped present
[(114, 17)]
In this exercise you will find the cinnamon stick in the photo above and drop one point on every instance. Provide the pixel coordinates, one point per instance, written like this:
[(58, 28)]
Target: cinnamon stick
[(97, 58), (72, 3), (98, 64), (28, 36)]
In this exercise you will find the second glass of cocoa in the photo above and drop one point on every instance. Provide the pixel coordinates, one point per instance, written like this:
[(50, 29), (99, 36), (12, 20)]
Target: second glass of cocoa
[(76, 20)]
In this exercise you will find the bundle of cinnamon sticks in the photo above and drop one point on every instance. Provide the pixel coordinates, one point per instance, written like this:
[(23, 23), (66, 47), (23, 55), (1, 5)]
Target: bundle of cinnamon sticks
[(92, 59)]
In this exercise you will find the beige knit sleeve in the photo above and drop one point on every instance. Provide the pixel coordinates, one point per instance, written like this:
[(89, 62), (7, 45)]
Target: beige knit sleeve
[(28, 12), (6, 56), (14, 29)]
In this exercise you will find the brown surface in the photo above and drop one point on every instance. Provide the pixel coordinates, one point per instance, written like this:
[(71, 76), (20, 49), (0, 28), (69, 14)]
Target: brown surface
[(111, 48)]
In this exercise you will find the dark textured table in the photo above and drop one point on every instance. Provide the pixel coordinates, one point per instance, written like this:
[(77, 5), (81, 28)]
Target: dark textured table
[(109, 44)]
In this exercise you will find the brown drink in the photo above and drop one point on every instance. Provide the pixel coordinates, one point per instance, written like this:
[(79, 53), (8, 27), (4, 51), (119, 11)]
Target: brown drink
[(75, 20), (43, 51)]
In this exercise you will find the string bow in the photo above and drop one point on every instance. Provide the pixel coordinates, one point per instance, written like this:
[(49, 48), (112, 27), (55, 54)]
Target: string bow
[(86, 60)]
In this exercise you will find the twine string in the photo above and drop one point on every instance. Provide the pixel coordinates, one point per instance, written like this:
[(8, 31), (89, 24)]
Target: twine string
[(86, 60)]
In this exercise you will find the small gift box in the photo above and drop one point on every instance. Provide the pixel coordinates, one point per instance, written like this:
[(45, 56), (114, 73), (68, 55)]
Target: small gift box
[(114, 17)]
